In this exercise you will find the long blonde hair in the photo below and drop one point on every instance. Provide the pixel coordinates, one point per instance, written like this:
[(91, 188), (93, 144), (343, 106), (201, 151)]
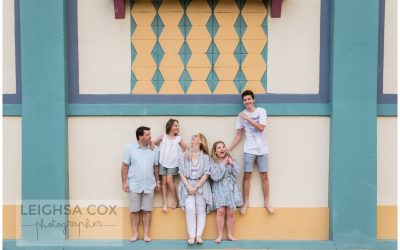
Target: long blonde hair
[(203, 144)]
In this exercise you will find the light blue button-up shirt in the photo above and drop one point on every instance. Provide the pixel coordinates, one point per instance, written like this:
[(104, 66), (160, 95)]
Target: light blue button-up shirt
[(141, 162)]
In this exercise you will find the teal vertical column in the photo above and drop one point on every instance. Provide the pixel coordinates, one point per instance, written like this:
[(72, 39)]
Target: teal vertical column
[(44, 99), (352, 197)]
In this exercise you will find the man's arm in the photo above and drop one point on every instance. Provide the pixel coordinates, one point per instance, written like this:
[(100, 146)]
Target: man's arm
[(124, 173), (236, 140), (157, 176), (260, 127)]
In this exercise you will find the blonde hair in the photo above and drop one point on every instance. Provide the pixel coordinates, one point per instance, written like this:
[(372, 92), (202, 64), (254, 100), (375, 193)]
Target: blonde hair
[(214, 150), (203, 144)]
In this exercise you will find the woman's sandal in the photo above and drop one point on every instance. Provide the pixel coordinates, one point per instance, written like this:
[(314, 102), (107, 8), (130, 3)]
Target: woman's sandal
[(191, 240)]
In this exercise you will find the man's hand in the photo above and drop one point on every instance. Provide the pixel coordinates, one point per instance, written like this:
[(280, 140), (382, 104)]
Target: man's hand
[(125, 187), (245, 116), (158, 186), (192, 190)]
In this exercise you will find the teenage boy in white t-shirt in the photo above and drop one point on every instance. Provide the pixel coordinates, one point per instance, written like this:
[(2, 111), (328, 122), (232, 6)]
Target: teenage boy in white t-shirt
[(252, 121)]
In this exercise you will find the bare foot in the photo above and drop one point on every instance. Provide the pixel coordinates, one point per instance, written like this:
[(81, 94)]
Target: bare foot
[(165, 208), (191, 240), (174, 204), (146, 238), (219, 239), (199, 240), (244, 208), (269, 209), (134, 238), (231, 238)]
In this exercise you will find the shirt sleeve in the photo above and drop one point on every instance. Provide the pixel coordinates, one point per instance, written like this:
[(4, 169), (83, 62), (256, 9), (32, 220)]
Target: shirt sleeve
[(239, 123), (127, 156), (263, 116)]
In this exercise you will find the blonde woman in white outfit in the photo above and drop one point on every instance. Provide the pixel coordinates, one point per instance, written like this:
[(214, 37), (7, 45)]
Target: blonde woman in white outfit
[(194, 190), (171, 147)]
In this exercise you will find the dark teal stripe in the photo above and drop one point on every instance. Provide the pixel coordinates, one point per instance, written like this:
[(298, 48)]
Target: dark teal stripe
[(44, 123), (11, 109), (387, 109), (284, 109), (352, 178)]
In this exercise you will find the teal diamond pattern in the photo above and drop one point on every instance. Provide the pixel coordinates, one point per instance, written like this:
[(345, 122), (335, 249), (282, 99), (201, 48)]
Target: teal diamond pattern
[(185, 80), (157, 25), (264, 80), (240, 26), (212, 53), (240, 80), (240, 4), (185, 53), (157, 53), (185, 25), (157, 80), (240, 53), (133, 53), (212, 4), (212, 25), (212, 80)]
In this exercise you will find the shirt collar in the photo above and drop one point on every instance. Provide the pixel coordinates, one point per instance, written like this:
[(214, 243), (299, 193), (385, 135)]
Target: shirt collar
[(138, 146)]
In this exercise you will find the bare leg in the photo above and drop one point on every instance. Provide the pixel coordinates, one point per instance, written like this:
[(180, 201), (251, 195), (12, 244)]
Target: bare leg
[(265, 187), (146, 226), (220, 219), (229, 223), (164, 192), (135, 224), (246, 192), (172, 188)]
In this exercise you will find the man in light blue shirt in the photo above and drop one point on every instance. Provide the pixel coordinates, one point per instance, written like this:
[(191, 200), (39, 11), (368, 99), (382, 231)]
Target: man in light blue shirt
[(140, 177)]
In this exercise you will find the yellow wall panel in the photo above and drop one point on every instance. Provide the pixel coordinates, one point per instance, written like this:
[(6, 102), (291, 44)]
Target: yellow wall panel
[(253, 60), (254, 46), (226, 74), (198, 87), (144, 87), (254, 19), (226, 33), (387, 222), (198, 74), (143, 47), (171, 60), (199, 61), (226, 87), (227, 60), (254, 32), (170, 6), (171, 46), (171, 18), (10, 228), (255, 86), (198, 6), (198, 18), (171, 87), (253, 73), (144, 32), (256, 6), (226, 47), (171, 73), (144, 73), (198, 33), (228, 6), (171, 32), (143, 60), (199, 46), (142, 6), (143, 18), (226, 19)]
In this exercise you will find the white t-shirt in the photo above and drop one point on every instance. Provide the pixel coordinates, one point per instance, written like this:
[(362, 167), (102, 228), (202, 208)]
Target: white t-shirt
[(170, 151), (255, 141)]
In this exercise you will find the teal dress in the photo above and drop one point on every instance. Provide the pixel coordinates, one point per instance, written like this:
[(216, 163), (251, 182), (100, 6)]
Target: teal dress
[(225, 191)]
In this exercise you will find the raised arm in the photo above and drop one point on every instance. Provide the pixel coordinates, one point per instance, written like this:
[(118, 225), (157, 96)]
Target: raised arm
[(158, 139), (260, 127), (183, 145), (236, 139)]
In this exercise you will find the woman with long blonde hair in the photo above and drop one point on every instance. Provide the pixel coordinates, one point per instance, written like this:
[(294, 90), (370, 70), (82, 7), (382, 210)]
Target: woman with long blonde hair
[(194, 190)]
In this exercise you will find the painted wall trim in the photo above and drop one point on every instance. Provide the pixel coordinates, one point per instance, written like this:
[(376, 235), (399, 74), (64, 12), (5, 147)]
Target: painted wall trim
[(282, 109), (176, 244), (75, 97), (387, 109), (12, 110)]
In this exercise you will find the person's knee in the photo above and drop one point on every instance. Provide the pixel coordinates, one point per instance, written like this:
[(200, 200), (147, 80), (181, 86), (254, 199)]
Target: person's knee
[(264, 176), (164, 180), (221, 212), (230, 213), (170, 180), (247, 176)]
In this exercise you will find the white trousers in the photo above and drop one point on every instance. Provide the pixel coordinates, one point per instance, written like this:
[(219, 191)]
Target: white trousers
[(195, 210)]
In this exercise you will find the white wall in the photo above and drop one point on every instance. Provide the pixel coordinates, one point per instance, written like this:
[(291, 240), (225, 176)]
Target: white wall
[(294, 45), (9, 79), (390, 48), (387, 160), (12, 147), (104, 48), (299, 162)]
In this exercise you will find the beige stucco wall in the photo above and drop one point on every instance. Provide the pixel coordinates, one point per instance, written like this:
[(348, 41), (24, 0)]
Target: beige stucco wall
[(12, 147), (9, 79), (298, 173), (294, 45), (390, 48), (387, 161)]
